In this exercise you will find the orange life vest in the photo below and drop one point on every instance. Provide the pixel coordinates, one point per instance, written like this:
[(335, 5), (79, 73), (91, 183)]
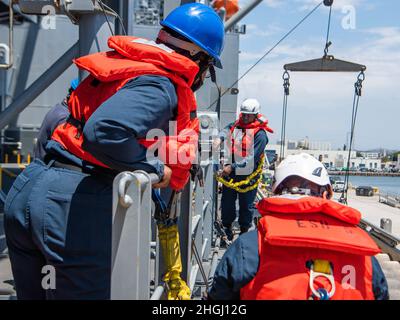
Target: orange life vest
[(109, 72), (293, 233), (231, 7), (242, 135)]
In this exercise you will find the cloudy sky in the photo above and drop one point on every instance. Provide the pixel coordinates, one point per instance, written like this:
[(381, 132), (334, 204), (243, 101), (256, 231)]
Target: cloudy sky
[(320, 105)]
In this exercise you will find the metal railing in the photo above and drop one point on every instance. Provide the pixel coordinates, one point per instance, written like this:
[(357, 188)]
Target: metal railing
[(133, 230), (384, 238), (137, 264), (131, 235), (9, 50), (390, 199)]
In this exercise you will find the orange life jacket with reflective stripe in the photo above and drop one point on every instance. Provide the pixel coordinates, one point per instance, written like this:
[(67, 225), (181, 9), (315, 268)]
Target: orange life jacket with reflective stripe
[(296, 231), (242, 135), (109, 72)]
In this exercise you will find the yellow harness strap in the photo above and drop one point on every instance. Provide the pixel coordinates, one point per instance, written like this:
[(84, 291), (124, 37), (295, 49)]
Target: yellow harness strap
[(322, 266), (170, 246)]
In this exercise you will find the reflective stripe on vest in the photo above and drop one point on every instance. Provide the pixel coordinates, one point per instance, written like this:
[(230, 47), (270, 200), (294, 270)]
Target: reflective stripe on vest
[(242, 135), (109, 72), (294, 233)]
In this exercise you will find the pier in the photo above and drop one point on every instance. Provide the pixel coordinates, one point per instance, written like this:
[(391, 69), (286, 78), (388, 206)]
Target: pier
[(373, 211), (366, 174)]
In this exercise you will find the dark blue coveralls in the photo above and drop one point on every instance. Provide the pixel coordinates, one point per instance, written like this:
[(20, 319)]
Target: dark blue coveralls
[(246, 200), (239, 266), (62, 217)]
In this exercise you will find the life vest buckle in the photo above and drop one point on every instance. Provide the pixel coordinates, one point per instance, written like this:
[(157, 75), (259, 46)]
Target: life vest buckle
[(324, 270)]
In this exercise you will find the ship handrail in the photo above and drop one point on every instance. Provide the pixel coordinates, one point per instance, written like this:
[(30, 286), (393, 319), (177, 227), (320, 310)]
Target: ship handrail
[(131, 235), (135, 249), (386, 241), (372, 228)]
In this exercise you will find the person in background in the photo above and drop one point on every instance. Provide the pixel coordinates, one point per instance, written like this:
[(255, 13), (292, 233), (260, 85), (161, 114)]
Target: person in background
[(246, 140), (230, 6), (54, 117)]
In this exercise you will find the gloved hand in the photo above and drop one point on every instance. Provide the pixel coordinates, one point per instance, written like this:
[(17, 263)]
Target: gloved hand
[(227, 170), (178, 289), (197, 172)]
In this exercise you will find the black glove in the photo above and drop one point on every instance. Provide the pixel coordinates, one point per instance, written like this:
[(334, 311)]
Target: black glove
[(197, 172)]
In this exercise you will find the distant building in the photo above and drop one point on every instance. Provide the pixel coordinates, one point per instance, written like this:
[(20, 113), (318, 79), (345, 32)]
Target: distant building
[(366, 163), (334, 159), (330, 158), (390, 165), (371, 155)]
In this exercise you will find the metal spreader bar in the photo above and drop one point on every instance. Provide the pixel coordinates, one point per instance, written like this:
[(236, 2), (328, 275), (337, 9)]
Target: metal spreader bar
[(327, 63)]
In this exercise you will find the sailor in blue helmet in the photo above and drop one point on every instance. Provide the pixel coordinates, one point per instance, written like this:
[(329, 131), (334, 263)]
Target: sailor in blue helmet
[(59, 211), (56, 115)]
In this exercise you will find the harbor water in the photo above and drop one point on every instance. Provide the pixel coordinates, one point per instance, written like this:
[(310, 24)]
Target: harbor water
[(384, 184)]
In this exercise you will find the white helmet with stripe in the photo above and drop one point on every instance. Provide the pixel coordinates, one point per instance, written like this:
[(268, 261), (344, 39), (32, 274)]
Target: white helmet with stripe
[(250, 106), (304, 166)]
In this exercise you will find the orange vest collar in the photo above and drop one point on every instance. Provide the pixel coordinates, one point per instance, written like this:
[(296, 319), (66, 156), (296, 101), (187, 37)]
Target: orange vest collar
[(260, 123), (307, 205), (137, 49)]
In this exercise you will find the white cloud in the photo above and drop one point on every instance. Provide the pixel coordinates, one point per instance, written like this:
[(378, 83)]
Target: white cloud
[(269, 3), (254, 30), (274, 3), (387, 36)]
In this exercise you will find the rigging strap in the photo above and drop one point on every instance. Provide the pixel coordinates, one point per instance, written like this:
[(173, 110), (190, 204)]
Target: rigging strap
[(286, 91), (357, 94)]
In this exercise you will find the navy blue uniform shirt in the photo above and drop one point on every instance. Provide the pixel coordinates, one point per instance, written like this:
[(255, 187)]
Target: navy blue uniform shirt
[(259, 144), (111, 134)]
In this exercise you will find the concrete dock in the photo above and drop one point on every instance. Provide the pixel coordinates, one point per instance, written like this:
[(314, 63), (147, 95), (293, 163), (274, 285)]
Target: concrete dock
[(372, 210)]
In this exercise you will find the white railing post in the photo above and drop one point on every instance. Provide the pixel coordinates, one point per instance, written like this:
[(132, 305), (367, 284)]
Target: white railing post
[(131, 235)]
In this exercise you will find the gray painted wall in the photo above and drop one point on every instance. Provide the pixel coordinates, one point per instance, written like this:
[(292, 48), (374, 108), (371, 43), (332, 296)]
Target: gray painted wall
[(35, 49)]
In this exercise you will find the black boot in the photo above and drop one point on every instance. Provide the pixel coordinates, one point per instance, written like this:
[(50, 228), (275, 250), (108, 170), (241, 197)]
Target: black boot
[(229, 232), (229, 236)]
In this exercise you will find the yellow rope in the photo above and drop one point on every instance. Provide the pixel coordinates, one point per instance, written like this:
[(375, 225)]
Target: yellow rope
[(239, 186)]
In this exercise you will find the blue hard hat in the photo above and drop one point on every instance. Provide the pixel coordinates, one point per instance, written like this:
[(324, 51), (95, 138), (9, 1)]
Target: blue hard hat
[(201, 25), (75, 83)]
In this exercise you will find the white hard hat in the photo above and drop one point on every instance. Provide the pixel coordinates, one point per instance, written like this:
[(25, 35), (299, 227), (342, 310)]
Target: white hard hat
[(304, 166), (250, 106)]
